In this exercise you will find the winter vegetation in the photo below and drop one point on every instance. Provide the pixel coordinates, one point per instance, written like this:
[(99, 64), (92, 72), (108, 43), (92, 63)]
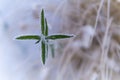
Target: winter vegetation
[(93, 53)]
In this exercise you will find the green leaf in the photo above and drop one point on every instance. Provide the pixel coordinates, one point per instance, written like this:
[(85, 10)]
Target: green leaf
[(44, 38), (43, 52), (46, 27), (42, 22), (52, 50), (37, 42), (46, 50), (53, 37), (27, 37)]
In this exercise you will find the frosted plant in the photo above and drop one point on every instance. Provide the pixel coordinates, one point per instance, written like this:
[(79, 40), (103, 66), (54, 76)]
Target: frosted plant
[(44, 37)]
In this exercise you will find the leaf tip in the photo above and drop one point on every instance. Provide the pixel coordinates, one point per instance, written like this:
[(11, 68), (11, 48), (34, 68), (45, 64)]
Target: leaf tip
[(37, 42), (18, 38)]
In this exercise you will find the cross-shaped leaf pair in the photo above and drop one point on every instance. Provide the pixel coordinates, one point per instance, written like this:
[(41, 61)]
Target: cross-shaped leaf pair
[(44, 37)]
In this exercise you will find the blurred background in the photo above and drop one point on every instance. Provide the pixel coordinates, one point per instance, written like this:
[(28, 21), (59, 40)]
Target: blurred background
[(94, 53), (20, 60)]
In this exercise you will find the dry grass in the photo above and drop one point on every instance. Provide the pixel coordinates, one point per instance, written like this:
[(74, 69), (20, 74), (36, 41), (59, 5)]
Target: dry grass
[(94, 54)]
